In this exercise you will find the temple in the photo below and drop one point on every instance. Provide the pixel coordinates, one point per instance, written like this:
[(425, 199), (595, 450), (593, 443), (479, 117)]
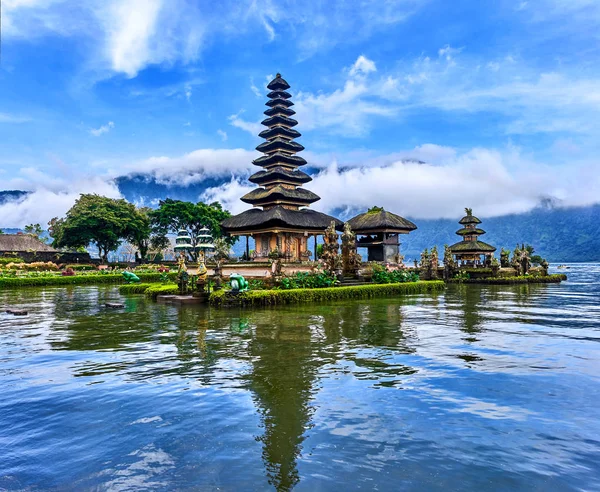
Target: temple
[(280, 223), (471, 251), (379, 231)]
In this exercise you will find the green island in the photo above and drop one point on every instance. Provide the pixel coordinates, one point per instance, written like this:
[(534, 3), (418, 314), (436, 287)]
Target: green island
[(181, 252)]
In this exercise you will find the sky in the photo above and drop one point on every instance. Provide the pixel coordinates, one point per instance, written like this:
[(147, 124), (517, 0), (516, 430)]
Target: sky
[(421, 106)]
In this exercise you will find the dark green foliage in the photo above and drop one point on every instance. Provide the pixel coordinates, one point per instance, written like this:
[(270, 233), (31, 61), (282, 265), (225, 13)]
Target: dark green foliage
[(382, 275), (307, 280), (256, 284), (99, 220), (174, 215), (530, 279), (274, 297), (81, 267), (49, 280)]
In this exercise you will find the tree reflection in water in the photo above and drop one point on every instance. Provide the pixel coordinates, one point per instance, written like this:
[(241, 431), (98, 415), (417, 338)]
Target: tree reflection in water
[(279, 355)]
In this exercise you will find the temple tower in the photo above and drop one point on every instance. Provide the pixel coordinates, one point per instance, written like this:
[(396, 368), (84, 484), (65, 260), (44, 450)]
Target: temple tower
[(471, 251), (279, 221)]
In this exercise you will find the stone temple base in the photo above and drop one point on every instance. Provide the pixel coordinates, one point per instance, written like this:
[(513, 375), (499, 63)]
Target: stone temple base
[(181, 300)]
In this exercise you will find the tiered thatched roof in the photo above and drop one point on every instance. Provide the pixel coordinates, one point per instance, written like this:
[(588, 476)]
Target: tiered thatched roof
[(280, 194)]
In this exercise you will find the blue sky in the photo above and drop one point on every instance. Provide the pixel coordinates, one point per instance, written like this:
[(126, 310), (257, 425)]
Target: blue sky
[(499, 99)]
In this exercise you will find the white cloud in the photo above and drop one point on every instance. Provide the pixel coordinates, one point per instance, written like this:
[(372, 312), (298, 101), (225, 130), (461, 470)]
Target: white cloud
[(188, 92), (254, 128), (50, 197), (257, 92), (344, 111), (362, 66), (222, 134), (96, 132), (500, 182), (191, 168), (128, 34), (228, 194)]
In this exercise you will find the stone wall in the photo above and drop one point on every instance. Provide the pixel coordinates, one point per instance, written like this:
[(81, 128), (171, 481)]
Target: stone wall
[(57, 257)]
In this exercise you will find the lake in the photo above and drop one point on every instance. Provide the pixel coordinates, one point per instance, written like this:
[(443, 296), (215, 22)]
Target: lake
[(477, 388)]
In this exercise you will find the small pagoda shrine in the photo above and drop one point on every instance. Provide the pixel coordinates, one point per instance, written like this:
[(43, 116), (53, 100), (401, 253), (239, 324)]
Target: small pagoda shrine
[(379, 231), (280, 223), (471, 251)]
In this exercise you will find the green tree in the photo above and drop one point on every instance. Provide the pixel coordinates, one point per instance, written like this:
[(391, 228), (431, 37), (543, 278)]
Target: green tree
[(35, 230), (1, 231), (174, 215), (139, 235), (98, 220)]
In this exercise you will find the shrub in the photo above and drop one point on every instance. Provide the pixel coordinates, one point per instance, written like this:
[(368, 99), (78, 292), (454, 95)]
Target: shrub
[(159, 290), (38, 266), (293, 296), (81, 267), (134, 288), (383, 275), (534, 279), (306, 280), (5, 260), (49, 279), (256, 284)]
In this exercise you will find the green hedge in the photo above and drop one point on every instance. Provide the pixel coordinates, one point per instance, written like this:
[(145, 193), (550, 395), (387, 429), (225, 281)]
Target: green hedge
[(134, 288), (159, 290), (548, 279), (50, 280), (293, 296)]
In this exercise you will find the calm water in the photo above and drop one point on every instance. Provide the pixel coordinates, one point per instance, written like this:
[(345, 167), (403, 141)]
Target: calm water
[(478, 388)]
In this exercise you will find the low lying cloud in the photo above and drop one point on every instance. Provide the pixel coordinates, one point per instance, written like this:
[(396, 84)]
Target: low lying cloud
[(191, 168), (493, 182), (429, 181), (50, 200)]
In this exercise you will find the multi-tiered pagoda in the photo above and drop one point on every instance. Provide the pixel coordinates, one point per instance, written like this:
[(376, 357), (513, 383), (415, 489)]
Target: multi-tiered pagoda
[(279, 222), (471, 251)]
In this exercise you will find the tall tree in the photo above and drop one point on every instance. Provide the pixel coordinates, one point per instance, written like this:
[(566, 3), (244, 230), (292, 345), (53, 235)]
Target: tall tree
[(173, 215), (139, 235), (98, 220)]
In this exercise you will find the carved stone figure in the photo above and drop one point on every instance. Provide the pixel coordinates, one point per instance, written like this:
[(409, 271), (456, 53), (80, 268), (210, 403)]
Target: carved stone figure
[(351, 260)]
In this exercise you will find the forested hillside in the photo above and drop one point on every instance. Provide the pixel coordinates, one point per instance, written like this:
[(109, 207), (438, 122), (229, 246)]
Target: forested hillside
[(559, 234)]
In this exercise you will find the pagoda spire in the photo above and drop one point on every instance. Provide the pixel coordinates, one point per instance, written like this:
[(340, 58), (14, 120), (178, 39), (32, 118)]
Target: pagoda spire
[(280, 180)]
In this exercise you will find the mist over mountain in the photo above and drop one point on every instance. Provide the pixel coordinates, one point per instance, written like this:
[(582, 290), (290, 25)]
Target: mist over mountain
[(558, 233)]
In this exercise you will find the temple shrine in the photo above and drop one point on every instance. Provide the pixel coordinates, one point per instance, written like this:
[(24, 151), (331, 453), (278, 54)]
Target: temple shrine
[(379, 231), (471, 251), (279, 221)]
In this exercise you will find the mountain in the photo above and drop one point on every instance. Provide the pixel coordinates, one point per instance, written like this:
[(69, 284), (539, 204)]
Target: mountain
[(10, 195)]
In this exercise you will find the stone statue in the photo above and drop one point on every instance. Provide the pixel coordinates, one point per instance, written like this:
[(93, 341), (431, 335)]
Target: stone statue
[(330, 256), (351, 260)]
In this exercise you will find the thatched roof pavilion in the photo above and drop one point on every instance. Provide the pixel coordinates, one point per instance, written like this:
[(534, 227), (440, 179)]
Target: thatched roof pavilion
[(280, 222), (21, 243), (379, 231)]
